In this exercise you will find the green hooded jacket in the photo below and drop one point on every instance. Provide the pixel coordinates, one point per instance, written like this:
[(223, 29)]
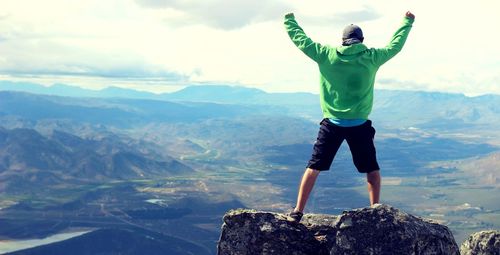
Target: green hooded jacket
[(347, 73)]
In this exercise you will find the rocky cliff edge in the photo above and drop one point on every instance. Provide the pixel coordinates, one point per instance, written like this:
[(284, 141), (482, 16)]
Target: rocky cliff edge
[(380, 229)]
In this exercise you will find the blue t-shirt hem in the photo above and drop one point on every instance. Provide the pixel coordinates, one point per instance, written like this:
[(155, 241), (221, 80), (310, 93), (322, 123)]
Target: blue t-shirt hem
[(347, 122)]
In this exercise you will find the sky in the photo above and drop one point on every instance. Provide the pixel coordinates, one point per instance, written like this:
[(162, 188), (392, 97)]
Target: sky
[(165, 45)]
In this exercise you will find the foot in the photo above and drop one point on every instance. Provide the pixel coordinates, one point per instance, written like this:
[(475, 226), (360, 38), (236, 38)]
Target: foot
[(296, 216)]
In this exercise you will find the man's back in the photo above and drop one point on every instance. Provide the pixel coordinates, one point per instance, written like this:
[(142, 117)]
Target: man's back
[(347, 72)]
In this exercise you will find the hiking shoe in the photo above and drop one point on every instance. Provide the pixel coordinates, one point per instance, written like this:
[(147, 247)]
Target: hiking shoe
[(296, 216)]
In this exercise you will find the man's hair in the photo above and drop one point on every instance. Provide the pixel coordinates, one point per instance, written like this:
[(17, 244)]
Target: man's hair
[(352, 34)]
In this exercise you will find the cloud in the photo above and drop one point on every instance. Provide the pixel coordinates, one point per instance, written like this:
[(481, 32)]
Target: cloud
[(32, 56), (135, 42), (221, 14), (132, 72), (364, 14)]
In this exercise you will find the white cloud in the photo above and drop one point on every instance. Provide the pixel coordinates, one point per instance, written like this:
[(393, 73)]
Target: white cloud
[(221, 14), (452, 47)]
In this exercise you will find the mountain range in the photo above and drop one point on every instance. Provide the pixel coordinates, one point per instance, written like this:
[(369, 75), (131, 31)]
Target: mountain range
[(409, 108), (30, 159), (118, 135), (172, 163)]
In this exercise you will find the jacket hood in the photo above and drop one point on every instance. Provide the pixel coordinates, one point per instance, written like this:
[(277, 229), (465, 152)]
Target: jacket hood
[(352, 49)]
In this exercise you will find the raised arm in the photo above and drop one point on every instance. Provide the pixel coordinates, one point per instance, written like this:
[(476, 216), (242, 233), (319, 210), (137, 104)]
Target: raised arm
[(312, 49), (397, 40)]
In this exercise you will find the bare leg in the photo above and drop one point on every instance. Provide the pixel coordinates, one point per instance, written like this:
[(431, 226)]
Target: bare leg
[(305, 188), (373, 180)]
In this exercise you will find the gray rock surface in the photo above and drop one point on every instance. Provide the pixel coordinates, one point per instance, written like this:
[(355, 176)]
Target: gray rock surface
[(386, 230), (482, 243), (252, 232), (378, 230)]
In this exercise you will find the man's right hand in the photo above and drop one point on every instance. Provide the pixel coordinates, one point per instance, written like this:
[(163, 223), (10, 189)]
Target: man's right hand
[(410, 15)]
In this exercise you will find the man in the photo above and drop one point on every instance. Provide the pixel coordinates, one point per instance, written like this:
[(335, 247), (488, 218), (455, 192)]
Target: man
[(347, 76)]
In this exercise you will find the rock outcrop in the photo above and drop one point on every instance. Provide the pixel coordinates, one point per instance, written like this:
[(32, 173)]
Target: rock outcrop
[(482, 243), (381, 229)]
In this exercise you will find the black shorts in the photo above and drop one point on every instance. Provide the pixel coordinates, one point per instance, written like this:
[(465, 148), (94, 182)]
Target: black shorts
[(359, 139)]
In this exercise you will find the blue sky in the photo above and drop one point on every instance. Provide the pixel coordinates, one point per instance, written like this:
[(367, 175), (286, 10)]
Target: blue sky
[(165, 45)]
